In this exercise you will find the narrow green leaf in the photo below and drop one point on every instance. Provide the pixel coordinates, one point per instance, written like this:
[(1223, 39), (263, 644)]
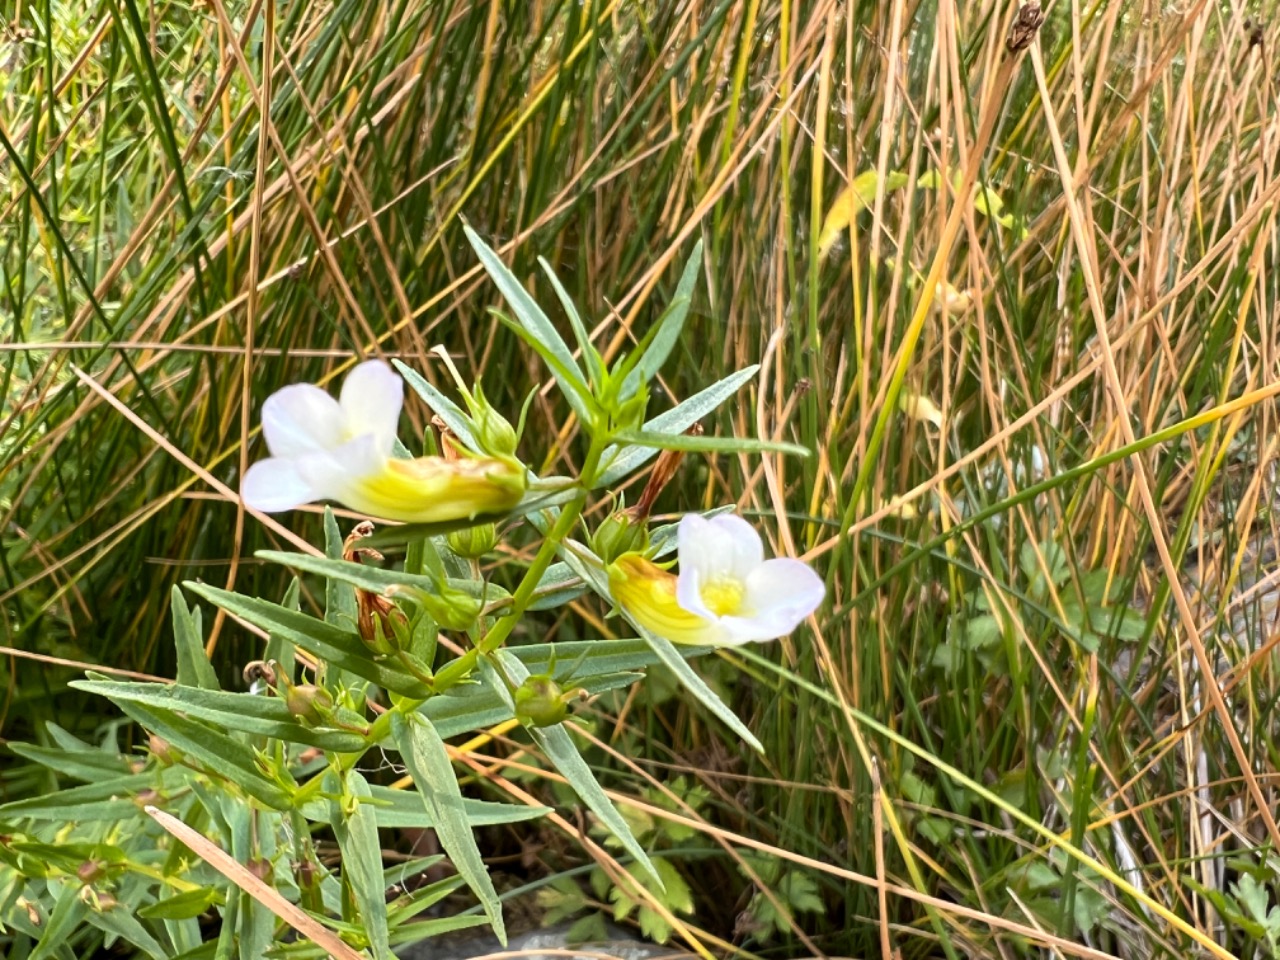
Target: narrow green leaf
[(398, 809), (670, 326), (194, 668), (356, 828), (575, 391), (428, 762), (246, 712), (337, 646), (84, 765), (554, 741), (535, 323), (339, 598), (62, 803), (454, 417), (219, 752), (595, 363), (670, 656), (376, 579), (623, 461), (680, 441), (181, 906), (120, 923), (66, 915), (426, 929)]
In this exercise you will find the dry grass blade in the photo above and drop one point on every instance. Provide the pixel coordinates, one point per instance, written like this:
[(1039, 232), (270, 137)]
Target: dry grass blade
[(265, 894)]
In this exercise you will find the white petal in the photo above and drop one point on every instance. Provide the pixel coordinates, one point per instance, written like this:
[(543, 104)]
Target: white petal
[(333, 473), (274, 485), (689, 590), (300, 419), (780, 594), (722, 547), (372, 396)]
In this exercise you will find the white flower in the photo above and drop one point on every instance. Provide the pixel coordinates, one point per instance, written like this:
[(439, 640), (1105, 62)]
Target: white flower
[(326, 449), (726, 593)]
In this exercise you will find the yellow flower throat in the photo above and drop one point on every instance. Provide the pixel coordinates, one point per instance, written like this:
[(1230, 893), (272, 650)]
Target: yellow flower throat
[(723, 597)]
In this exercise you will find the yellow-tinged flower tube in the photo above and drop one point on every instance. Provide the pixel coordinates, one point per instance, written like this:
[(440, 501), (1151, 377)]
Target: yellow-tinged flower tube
[(648, 594), (725, 594), (327, 449)]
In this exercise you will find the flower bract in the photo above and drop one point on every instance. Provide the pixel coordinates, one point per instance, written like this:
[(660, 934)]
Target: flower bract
[(725, 593), (343, 450)]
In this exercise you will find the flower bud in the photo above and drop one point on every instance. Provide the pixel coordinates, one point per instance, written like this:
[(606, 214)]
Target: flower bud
[(309, 703), (540, 702), (383, 626), (98, 901), (629, 414), (261, 868), (163, 751), (473, 542), (494, 432), (619, 534), (449, 607), (91, 870)]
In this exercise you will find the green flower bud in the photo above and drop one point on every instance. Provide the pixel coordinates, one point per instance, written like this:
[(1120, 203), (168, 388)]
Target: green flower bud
[(630, 413), (473, 542), (621, 533), (98, 901), (540, 702), (163, 751), (494, 432), (309, 703), (450, 608), (91, 871)]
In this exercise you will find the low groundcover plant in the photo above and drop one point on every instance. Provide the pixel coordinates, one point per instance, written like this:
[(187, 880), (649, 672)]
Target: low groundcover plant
[(210, 840)]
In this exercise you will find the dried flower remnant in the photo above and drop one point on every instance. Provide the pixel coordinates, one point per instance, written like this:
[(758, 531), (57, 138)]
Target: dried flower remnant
[(1025, 26)]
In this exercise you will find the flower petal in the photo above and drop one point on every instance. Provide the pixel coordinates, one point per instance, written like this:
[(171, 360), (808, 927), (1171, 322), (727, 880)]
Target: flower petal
[(689, 591), (779, 595), (336, 474), (300, 419), (722, 547), (436, 490), (274, 485), (648, 595), (372, 396)]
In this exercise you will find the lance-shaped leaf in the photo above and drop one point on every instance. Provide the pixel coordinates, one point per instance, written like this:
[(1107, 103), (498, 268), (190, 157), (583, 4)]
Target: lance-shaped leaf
[(395, 809), (595, 363), (623, 461), (337, 646), (220, 753), (560, 750), (669, 327), (541, 334), (687, 676), (588, 566), (454, 417), (246, 712), (106, 799), (356, 828), (194, 668), (682, 441), (375, 579), (428, 763)]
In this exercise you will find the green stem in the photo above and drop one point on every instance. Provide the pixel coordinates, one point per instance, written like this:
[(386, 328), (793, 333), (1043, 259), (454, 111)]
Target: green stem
[(461, 668)]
